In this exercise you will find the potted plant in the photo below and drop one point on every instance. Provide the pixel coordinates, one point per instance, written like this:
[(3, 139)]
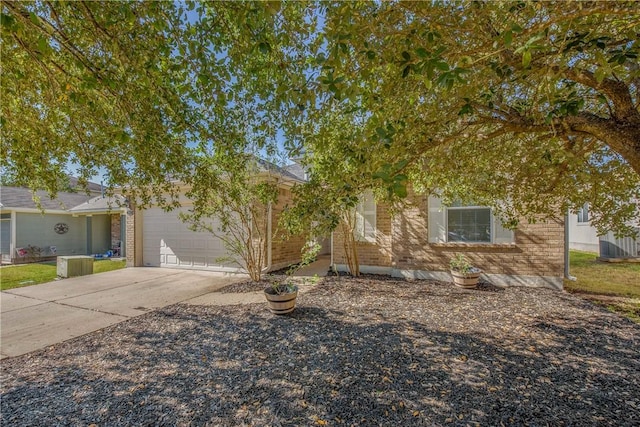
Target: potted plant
[(464, 274), (281, 296)]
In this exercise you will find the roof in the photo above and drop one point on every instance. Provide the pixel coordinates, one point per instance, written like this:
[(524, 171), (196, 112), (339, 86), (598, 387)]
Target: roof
[(296, 170), (91, 186), (101, 204), (283, 171), (20, 197)]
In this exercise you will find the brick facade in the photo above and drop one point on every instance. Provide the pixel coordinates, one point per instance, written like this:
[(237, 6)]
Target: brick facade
[(131, 238), (115, 230), (402, 247), (284, 250), (378, 254)]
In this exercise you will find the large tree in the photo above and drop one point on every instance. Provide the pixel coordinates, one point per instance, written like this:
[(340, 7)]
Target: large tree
[(533, 104), (137, 91)]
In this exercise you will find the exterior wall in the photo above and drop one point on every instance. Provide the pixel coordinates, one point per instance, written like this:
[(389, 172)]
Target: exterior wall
[(582, 236), (402, 248), (100, 234), (37, 230), (370, 254), (284, 251), (115, 230), (131, 238), (5, 237)]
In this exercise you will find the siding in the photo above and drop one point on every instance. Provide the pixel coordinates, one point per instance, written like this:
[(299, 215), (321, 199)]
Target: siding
[(37, 230), (101, 234)]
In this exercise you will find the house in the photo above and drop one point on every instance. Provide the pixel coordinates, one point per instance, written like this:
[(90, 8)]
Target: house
[(419, 241), (159, 238), (584, 237), (71, 224), (415, 243)]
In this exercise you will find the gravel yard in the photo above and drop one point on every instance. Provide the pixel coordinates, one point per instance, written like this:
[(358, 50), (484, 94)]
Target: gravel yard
[(361, 352)]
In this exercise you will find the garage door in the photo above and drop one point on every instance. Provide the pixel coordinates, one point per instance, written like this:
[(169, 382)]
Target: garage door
[(168, 242)]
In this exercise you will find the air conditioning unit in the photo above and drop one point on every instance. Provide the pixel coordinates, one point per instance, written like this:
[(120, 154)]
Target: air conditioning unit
[(71, 266)]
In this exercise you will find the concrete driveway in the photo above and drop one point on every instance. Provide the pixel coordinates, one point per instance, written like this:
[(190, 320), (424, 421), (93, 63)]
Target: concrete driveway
[(37, 316)]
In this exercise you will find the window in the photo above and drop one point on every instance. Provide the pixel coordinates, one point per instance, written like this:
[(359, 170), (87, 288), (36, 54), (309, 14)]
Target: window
[(365, 229), (583, 213), (464, 224), (468, 223)]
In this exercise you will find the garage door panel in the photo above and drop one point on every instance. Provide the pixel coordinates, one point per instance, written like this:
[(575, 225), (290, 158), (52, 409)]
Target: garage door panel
[(168, 242), (170, 260)]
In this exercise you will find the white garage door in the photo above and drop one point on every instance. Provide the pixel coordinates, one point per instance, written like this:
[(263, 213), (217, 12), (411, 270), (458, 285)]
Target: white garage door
[(168, 242)]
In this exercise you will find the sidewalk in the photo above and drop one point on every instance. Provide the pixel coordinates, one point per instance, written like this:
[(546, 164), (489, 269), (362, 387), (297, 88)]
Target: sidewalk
[(319, 267)]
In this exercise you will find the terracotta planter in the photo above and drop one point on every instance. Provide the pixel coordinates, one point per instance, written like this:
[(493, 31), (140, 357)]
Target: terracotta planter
[(466, 280), (281, 303)]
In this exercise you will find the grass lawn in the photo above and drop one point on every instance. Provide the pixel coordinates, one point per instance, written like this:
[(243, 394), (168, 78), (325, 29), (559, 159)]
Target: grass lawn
[(615, 285), (32, 274)]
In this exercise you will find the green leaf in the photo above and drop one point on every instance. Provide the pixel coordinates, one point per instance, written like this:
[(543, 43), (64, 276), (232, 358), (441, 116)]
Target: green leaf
[(34, 18), (441, 65), (599, 74), (507, 37), (7, 21), (422, 52), (406, 71), (516, 28), (466, 109), (526, 58), (43, 45), (272, 7), (371, 54), (382, 175), (406, 55), (264, 47), (400, 189)]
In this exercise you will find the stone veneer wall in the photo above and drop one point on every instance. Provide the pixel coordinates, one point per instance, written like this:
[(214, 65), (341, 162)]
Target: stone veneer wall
[(536, 258)]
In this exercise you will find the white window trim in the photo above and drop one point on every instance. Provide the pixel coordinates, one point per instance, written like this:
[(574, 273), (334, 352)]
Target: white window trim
[(361, 216), (459, 208), (580, 214), (438, 225)]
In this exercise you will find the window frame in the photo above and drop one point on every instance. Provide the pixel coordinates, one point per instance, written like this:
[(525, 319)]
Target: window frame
[(360, 233), (438, 225), (470, 207), (582, 212)]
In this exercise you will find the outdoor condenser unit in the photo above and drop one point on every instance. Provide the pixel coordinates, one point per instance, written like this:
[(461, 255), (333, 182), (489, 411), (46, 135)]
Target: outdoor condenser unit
[(70, 266)]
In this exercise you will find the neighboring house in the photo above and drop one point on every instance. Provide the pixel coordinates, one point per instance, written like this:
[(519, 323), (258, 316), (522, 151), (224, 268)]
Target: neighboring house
[(419, 241), (70, 224), (584, 237), (159, 238)]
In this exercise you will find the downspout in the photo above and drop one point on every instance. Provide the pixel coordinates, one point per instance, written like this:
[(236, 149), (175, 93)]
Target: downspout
[(269, 260), (332, 265), (567, 274)]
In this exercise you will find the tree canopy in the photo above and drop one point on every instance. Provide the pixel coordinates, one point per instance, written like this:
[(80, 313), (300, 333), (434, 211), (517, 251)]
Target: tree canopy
[(531, 107)]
